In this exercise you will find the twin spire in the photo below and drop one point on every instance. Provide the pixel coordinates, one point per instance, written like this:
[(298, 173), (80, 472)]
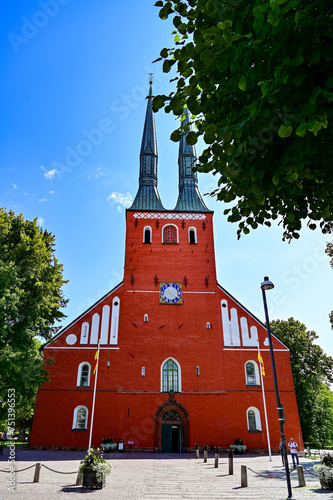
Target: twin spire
[(147, 197)]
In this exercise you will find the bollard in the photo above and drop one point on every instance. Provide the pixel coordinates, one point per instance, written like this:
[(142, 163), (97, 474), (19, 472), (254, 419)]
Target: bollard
[(79, 478), (243, 476), (231, 462), (217, 457), (37, 471), (301, 478), (205, 453), (197, 451)]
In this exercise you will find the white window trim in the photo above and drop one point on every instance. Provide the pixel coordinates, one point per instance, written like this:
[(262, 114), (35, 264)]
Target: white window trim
[(192, 228), (75, 417), (179, 373), (256, 373), (78, 380), (170, 225), (151, 234), (258, 419), (84, 338)]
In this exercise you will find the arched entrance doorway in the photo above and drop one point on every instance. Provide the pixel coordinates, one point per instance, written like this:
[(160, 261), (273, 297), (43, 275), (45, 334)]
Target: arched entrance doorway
[(172, 433)]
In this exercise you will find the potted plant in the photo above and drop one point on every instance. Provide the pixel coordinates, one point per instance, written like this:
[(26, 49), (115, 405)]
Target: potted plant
[(94, 469), (238, 446), (108, 444), (325, 471)]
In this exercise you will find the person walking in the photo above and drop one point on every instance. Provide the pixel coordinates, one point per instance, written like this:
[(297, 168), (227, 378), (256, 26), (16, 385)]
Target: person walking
[(293, 447), (281, 450)]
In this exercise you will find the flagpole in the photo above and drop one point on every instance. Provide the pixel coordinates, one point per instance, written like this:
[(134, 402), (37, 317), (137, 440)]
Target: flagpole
[(264, 401), (94, 398)]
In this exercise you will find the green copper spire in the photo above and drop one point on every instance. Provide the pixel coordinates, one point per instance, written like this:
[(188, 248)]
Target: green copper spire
[(147, 197), (189, 197)]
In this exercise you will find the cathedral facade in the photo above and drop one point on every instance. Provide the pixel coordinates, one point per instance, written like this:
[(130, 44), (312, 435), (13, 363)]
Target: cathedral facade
[(178, 354)]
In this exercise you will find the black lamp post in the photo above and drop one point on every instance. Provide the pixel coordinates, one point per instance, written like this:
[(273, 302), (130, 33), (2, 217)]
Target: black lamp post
[(268, 285)]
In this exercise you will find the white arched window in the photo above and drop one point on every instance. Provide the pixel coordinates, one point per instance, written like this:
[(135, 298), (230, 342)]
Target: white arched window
[(147, 234), (170, 234), (252, 373), (170, 376), (253, 419), (83, 374), (80, 417), (192, 235)]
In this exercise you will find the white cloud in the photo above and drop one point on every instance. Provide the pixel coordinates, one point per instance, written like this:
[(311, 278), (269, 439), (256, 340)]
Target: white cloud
[(49, 174), (51, 192), (42, 200), (120, 199), (14, 186), (40, 221), (99, 173)]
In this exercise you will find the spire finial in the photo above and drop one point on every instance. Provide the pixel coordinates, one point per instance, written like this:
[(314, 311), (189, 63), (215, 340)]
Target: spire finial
[(151, 78)]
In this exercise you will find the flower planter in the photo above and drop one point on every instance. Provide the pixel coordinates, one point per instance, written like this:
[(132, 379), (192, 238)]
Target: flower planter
[(326, 484), (90, 480), (238, 448), (109, 446)]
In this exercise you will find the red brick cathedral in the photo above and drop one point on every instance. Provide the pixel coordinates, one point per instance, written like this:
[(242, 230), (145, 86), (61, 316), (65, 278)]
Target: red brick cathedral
[(178, 359)]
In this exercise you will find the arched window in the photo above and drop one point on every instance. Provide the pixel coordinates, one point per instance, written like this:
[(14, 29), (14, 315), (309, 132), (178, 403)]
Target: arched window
[(192, 235), (170, 234), (253, 419), (251, 373), (80, 417), (170, 376), (147, 238), (83, 374)]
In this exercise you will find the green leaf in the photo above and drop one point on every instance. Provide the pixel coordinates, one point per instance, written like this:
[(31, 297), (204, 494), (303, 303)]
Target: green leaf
[(224, 24), (276, 180), (257, 23), (242, 83), (301, 132), (273, 16), (285, 131), (175, 136), (164, 53), (206, 57), (315, 57), (191, 138)]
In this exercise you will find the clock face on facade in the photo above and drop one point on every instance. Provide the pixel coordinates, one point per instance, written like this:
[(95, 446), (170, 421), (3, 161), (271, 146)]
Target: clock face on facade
[(170, 293)]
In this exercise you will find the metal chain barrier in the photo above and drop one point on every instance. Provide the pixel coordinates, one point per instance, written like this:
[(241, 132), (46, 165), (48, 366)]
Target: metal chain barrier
[(42, 465), (265, 475), (310, 472), (58, 471), (8, 471)]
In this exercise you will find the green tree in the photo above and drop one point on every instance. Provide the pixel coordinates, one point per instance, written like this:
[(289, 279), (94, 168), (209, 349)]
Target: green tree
[(312, 372), (329, 251), (31, 299), (257, 77)]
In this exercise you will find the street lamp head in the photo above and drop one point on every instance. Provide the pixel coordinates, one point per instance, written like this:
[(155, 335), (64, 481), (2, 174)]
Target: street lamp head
[(266, 284)]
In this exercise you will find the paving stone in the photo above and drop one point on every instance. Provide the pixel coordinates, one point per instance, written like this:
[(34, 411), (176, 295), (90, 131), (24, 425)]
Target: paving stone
[(158, 476)]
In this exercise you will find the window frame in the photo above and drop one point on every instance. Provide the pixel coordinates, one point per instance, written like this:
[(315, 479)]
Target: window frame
[(177, 234), (193, 230), (147, 228), (168, 389), (75, 417), (257, 419), (256, 374), (79, 374)]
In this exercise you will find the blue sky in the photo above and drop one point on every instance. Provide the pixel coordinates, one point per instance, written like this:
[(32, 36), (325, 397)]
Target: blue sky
[(73, 85)]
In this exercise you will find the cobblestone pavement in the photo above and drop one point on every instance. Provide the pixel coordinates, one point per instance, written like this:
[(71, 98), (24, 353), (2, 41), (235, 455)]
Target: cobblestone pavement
[(159, 476)]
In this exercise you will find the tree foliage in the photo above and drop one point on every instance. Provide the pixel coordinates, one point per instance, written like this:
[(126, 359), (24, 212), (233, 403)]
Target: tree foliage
[(257, 77), (329, 251), (31, 299), (312, 372)]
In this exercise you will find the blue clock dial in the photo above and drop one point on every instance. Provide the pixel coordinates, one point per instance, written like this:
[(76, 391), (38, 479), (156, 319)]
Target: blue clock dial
[(170, 293)]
